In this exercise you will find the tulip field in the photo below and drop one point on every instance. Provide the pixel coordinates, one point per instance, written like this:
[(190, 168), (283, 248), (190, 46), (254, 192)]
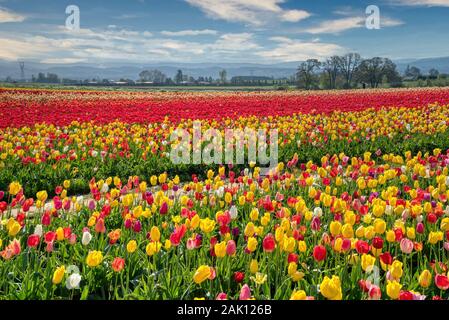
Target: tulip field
[(92, 207)]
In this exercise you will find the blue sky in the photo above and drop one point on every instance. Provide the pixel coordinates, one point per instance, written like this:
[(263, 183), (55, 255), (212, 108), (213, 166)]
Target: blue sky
[(262, 31)]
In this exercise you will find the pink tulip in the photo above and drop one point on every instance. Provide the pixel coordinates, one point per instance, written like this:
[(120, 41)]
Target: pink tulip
[(222, 296), (406, 245), (245, 293), (49, 247), (374, 292), (420, 228), (231, 248)]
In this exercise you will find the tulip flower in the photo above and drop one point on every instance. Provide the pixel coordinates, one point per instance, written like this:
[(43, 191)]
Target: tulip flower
[(269, 243), (58, 275), (94, 258), (330, 288), (202, 274), (245, 293), (319, 253), (118, 264), (442, 282)]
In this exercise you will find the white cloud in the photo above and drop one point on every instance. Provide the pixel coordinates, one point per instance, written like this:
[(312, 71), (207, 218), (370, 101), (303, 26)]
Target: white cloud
[(189, 33), (235, 42), (428, 3), (390, 22), (11, 49), (62, 60), (337, 25), (63, 46), (343, 24), (294, 15), (9, 16), (253, 12), (297, 50)]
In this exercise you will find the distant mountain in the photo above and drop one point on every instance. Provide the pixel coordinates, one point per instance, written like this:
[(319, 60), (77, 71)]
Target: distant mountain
[(131, 71), (115, 71), (441, 64)]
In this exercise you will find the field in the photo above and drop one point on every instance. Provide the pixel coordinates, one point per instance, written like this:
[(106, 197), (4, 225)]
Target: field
[(93, 206)]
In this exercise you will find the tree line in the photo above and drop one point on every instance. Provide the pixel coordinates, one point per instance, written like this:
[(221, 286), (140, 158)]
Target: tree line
[(348, 71)]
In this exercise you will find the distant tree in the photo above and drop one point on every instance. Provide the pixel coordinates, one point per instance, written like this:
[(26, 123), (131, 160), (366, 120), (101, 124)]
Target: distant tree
[(41, 77), (348, 65), (144, 75), (412, 72), (154, 76), (434, 73), (332, 68), (307, 73), (179, 77), (223, 75), (373, 71)]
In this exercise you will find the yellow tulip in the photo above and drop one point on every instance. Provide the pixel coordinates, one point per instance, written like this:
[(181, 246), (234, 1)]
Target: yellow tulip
[(94, 258), (202, 274), (393, 289), (330, 288), (58, 275), (131, 246)]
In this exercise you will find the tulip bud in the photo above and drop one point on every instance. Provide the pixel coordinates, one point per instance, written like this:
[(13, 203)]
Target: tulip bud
[(87, 237)]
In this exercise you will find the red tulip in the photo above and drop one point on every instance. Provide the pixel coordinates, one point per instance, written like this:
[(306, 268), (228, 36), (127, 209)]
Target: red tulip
[(293, 257), (386, 258), (118, 264), (378, 242), (442, 282), (46, 219), (319, 253), (100, 226), (50, 236), (405, 295), (164, 208), (269, 243), (374, 293), (362, 246), (33, 241), (239, 276)]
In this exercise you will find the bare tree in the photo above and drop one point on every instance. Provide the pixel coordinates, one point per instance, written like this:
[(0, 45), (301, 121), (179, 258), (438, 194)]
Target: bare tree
[(155, 76), (306, 73), (332, 67), (348, 65)]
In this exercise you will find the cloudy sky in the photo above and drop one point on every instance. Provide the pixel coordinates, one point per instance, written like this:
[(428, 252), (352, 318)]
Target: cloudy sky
[(263, 31)]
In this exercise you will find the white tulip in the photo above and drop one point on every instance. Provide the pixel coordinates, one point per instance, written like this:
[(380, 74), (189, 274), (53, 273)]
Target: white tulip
[(87, 237), (73, 281), (233, 212), (38, 230)]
